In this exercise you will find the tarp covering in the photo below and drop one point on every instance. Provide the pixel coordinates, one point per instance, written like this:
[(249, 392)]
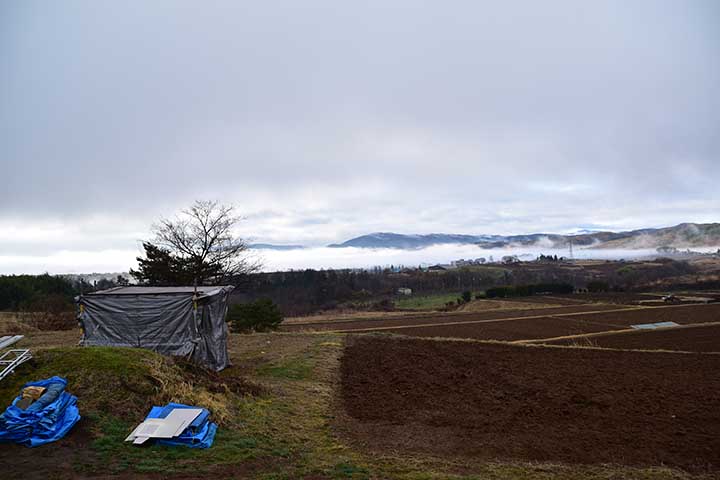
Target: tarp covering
[(168, 320), (47, 419), (200, 433)]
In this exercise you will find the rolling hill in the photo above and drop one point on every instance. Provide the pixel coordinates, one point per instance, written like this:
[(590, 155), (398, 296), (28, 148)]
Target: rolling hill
[(684, 235)]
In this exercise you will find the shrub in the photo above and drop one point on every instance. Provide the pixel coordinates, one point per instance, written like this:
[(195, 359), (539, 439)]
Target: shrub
[(627, 269), (467, 296), (259, 316), (51, 312), (597, 286)]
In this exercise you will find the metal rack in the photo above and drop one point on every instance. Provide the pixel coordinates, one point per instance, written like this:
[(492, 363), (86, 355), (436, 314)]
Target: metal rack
[(11, 359)]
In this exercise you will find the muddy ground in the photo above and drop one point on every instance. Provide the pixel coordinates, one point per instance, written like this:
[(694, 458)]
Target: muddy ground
[(502, 402)]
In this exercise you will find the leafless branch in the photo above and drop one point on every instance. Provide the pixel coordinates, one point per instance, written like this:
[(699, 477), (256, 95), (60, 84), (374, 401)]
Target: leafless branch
[(203, 235)]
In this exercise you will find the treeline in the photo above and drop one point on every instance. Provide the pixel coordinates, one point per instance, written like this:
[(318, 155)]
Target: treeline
[(307, 291), (25, 292), (33, 292)]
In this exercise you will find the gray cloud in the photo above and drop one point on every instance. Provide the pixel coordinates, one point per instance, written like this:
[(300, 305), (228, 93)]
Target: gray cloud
[(323, 120)]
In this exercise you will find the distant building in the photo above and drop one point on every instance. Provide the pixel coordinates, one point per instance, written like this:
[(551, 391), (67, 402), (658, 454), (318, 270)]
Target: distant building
[(404, 291), (467, 263)]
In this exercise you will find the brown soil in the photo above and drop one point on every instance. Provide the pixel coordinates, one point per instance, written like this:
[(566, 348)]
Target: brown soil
[(342, 315), (692, 339), (550, 327), (618, 298), (512, 325), (444, 318), (485, 402), (544, 299), (696, 313), (509, 330), (57, 457)]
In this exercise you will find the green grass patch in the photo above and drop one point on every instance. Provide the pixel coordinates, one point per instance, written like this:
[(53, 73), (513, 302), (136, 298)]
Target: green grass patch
[(96, 375), (426, 302), (291, 369), (231, 446)]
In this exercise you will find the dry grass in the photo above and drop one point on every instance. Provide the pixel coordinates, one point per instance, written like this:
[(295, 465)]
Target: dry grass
[(174, 386), (15, 323), (485, 305), (584, 342), (21, 323)]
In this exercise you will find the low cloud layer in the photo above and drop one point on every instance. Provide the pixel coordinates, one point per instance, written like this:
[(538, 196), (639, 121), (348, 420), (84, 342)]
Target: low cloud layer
[(322, 120)]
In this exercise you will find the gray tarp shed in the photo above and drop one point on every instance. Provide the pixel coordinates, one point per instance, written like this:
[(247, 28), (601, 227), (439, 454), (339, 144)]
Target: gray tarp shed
[(169, 320)]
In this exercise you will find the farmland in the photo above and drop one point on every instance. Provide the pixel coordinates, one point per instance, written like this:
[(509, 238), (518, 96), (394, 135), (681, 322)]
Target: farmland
[(538, 387), (492, 401), (544, 324), (442, 318), (700, 338)]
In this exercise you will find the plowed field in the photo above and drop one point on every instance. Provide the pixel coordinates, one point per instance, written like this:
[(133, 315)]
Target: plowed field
[(489, 401)]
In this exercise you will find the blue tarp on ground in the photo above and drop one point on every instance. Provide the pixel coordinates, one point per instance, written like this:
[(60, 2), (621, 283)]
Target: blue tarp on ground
[(47, 419), (200, 433)]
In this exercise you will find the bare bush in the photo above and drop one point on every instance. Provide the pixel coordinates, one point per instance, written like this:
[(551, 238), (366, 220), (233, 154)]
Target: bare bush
[(51, 312)]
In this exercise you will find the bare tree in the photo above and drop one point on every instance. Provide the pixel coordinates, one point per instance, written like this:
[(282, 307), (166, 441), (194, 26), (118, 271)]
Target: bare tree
[(202, 238)]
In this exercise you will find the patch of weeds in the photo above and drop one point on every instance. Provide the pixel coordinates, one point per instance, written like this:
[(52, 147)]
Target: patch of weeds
[(118, 456), (427, 302), (291, 369), (94, 374), (153, 465), (281, 452)]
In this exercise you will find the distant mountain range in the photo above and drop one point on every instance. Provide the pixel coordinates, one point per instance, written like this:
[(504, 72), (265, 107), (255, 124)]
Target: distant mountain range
[(684, 235), (409, 242)]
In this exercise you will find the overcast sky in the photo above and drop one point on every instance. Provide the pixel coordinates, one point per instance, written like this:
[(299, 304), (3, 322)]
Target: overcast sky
[(324, 120)]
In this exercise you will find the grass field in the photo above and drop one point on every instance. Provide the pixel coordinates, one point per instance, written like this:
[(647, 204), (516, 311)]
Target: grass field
[(427, 302), (438, 302), (291, 428)]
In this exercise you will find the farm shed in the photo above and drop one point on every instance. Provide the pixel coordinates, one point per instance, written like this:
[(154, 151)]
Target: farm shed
[(177, 321)]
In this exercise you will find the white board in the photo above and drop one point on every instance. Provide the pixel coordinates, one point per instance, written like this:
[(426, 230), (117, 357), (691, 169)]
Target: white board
[(171, 426), (8, 340), (653, 326)]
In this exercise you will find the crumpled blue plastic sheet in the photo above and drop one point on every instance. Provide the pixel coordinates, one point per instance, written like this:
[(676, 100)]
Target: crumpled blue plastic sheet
[(199, 434), (46, 420)]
